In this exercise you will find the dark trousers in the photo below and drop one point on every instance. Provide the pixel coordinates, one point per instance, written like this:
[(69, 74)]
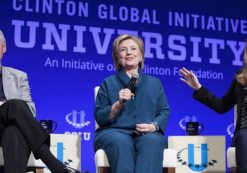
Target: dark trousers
[(20, 133), (241, 150)]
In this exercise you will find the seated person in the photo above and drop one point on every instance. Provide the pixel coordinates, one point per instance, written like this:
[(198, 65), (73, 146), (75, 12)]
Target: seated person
[(132, 118), (20, 132), (235, 95)]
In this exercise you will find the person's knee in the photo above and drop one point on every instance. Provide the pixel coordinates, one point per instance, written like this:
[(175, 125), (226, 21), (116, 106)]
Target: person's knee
[(117, 141), (152, 141), (17, 107), (11, 130), (153, 138), (122, 144), (16, 102)]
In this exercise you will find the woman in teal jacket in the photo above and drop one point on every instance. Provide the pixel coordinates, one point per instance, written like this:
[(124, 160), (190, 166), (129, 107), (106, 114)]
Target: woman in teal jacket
[(131, 119)]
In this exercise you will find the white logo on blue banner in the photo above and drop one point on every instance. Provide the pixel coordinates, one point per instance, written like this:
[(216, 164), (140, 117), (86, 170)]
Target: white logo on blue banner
[(192, 149), (230, 130), (77, 119)]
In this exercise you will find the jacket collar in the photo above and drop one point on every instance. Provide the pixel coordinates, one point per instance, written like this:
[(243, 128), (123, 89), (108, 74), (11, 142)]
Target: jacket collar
[(125, 79)]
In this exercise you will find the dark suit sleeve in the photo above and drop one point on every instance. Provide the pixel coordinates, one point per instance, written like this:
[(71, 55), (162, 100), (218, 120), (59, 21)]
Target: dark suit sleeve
[(220, 105)]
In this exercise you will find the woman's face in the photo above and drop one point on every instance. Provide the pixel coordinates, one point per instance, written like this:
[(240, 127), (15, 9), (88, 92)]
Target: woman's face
[(129, 55)]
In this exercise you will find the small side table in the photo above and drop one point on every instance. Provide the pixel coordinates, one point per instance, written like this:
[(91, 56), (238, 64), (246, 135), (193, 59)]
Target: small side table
[(67, 149), (199, 153)]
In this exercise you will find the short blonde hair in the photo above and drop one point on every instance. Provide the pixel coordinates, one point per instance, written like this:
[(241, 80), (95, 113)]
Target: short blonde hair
[(3, 40), (115, 48)]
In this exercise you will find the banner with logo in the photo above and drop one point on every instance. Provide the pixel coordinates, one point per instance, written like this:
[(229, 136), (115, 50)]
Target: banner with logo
[(199, 153), (65, 47), (67, 149)]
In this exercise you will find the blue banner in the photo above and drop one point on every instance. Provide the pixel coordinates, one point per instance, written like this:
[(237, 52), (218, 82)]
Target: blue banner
[(65, 47)]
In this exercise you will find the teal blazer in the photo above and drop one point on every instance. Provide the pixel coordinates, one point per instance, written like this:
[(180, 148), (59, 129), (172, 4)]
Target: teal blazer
[(149, 104)]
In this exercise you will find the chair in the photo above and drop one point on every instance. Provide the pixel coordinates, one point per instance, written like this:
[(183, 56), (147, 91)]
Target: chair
[(37, 166), (102, 164), (231, 151)]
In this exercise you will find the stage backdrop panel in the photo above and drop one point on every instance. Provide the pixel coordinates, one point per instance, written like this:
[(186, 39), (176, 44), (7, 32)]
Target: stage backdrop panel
[(65, 47)]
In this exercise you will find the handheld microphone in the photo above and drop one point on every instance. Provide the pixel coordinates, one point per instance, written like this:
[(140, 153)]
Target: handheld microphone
[(132, 83)]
